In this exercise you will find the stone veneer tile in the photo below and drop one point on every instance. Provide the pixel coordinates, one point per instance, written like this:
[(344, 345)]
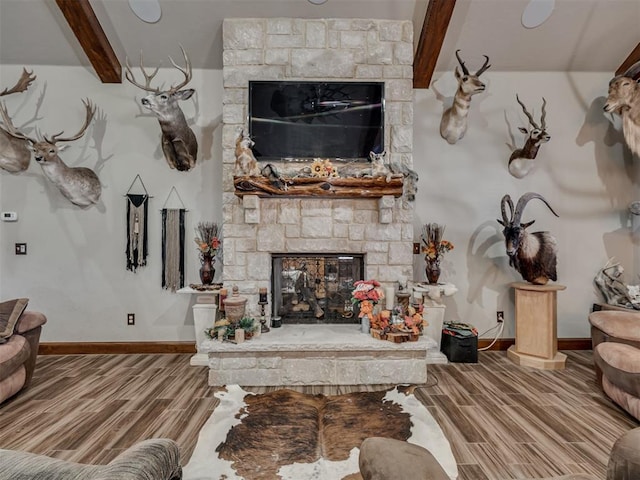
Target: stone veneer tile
[(270, 238), (390, 31), (373, 72), (311, 371), (351, 39), (280, 26), (285, 41), (314, 63), (316, 35), (240, 34), (400, 253), (403, 53), (277, 56)]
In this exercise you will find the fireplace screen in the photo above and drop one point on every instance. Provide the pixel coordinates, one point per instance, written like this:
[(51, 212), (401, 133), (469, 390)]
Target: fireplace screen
[(315, 289)]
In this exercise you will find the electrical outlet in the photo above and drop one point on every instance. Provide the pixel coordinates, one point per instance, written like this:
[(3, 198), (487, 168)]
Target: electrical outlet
[(21, 248), (416, 248), (131, 318), (499, 316)]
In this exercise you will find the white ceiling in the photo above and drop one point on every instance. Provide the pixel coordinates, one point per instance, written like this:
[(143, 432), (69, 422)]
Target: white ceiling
[(581, 35)]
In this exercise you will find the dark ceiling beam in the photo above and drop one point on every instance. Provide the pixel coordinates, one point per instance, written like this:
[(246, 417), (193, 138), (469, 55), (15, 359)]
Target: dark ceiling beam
[(87, 29), (633, 57), (434, 29)]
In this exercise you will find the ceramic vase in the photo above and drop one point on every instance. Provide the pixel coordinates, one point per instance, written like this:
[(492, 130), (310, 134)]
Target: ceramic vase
[(207, 272), (432, 271)]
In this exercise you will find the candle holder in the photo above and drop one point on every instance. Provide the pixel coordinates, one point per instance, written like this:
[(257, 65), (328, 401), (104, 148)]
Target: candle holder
[(262, 301)]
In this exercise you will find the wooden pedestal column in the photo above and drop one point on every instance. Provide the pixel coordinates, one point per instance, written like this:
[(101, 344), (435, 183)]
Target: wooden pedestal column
[(536, 321)]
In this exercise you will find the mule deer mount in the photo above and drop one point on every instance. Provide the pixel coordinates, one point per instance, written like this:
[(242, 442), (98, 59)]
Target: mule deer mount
[(14, 152), (80, 185), (453, 125), (522, 160), (179, 143), (624, 99)]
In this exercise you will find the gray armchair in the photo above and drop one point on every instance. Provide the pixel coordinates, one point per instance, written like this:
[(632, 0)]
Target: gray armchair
[(155, 459)]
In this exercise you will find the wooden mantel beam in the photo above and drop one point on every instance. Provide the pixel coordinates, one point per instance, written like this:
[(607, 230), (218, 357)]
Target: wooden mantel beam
[(633, 57), (87, 29), (434, 30)]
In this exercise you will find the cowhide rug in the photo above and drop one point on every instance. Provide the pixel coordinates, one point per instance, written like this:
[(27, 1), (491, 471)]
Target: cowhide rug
[(293, 436)]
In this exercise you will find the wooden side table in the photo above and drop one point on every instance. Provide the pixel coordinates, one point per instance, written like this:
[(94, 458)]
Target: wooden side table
[(536, 323)]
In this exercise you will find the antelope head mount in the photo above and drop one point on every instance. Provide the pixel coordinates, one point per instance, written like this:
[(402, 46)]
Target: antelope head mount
[(179, 143), (453, 125), (624, 99), (521, 161), (14, 152), (79, 185)]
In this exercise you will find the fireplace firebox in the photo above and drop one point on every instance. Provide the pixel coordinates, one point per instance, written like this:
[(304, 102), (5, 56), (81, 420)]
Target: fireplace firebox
[(315, 288)]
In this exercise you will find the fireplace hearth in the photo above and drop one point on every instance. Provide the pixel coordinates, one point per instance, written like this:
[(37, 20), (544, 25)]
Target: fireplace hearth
[(315, 288)]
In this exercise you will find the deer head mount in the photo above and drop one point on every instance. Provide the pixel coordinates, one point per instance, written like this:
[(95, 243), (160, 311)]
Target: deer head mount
[(624, 99), (521, 161), (14, 152), (80, 185), (179, 143), (533, 255), (453, 125)]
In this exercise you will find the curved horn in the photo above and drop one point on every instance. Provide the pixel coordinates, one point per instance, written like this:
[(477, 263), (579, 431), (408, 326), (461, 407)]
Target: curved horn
[(544, 114), (633, 71), (529, 116), (522, 202), (462, 65), (484, 67), (506, 200)]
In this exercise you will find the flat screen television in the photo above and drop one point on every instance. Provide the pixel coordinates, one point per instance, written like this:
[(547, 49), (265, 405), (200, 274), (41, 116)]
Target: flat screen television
[(305, 120)]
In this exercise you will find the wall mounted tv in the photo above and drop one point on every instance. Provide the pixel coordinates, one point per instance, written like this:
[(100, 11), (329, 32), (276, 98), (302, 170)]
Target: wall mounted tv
[(304, 120)]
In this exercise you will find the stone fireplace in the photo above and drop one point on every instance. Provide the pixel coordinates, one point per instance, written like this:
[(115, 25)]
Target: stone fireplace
[(255, 228)]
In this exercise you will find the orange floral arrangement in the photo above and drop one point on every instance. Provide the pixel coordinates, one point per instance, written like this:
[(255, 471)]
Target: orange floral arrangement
[(433, 245), (207, 238)]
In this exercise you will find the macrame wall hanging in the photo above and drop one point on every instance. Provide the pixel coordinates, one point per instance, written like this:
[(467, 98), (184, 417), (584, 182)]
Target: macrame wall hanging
[(137, 215), (173, 244)]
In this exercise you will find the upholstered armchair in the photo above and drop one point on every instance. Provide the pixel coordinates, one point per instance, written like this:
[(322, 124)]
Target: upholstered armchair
[(19, 339), (155, 459), (615, 336), (412, 462)]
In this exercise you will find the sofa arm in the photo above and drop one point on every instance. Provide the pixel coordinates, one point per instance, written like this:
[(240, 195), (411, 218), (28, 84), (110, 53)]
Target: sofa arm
[(29, 320), (155, 459), (624, 461)]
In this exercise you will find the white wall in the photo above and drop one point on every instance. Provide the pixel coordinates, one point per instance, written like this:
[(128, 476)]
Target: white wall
[(75, 268), (584, 172)]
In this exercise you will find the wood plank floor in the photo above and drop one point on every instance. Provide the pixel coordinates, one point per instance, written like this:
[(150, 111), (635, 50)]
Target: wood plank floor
[(503, 421)]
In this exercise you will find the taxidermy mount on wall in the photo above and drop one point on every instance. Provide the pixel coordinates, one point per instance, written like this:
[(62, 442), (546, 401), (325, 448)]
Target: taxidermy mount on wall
[(533, 255), (522, 160), (14, 152), (624, 99), (179, 143), (80, 185), (453, 125)]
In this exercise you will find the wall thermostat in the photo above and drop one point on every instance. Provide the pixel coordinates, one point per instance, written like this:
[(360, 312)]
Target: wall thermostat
[(9, 216)]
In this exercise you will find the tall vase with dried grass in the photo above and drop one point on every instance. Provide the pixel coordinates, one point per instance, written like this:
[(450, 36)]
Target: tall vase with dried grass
[(434, 248), (208, 245)]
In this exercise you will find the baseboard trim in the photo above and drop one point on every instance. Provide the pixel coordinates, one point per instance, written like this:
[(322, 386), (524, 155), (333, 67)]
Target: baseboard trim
[(563, 343), (113, 348)]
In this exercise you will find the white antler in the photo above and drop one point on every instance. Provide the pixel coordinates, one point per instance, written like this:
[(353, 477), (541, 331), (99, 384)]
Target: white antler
[(90, 111), (23, 83), (186, 71), (131, 77), (10, 128)]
